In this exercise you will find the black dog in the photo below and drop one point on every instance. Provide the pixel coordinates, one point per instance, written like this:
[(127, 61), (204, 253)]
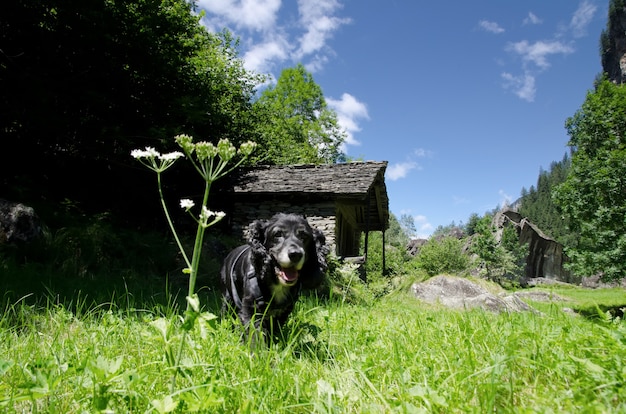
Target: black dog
[(261, 280)]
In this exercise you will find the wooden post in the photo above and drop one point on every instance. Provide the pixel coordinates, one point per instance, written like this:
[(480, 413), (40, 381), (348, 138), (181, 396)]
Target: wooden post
[(367, 230), (384, 261)]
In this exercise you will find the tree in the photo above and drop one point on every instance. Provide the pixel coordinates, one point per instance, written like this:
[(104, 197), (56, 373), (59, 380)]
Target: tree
[(593, 197), (485, 245), (472, 222), (86, 81), (298, 125), (443, 255), (396, 235), (407, 222)]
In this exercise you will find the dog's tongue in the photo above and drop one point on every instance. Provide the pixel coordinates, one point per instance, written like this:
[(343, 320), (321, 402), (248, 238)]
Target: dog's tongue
[(290, 275)]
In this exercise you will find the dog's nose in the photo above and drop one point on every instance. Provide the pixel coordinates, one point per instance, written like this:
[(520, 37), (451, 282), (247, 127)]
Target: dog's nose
[(295, 256)]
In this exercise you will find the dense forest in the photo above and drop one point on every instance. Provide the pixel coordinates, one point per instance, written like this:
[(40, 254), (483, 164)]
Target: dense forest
[(84, 82)]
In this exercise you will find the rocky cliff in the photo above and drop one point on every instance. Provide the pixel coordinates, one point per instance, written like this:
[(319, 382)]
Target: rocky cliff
[(613, 43), (545, 255)]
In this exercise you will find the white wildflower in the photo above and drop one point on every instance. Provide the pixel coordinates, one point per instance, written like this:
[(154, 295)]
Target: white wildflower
[(171, 156), (149, 152), (206, 214), (186, 204)]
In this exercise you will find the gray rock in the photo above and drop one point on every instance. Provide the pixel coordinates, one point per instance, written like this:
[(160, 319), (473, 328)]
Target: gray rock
[(459, 293), (18, 222), (546, 257)]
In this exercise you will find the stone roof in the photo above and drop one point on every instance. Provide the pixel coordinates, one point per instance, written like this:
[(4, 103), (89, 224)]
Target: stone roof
[(354, 182)]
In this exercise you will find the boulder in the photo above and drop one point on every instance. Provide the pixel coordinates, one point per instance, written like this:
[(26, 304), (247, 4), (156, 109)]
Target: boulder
[(18, 222), (414, 246), (459, 293)]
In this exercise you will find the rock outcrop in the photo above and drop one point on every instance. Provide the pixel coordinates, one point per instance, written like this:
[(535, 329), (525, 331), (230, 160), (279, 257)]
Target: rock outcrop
[(545, 255), (18, 222), (459, 293), (613, 44)]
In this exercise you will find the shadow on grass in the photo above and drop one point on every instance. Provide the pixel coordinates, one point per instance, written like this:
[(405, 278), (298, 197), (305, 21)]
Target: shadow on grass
[(602, 312)]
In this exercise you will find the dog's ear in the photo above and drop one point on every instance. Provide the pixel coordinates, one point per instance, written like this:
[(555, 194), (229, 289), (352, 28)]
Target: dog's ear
[(316, 265), (256, 238), (256, 233)]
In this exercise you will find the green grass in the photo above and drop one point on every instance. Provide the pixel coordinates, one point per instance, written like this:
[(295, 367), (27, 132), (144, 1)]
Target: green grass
[(105, 340), (591, 302), (393, 355)]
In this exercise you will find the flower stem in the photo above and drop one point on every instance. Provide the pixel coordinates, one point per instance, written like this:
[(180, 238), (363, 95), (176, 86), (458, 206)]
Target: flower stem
[(197, 248), (169, 221)]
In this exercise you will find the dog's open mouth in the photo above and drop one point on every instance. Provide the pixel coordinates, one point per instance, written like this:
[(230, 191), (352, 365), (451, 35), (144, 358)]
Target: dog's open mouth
[(288, 276)]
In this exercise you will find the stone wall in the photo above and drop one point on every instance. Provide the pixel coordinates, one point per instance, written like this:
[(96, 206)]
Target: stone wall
[(319, 215)]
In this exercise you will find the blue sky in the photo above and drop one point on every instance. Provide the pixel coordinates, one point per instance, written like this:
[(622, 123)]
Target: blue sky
[(466, 100)]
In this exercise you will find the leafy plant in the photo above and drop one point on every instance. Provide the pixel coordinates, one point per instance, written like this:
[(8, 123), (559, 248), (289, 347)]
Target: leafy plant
[(211, 163), (443, 255)]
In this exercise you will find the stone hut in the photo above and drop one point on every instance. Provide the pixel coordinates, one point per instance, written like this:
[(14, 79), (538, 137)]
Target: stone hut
[(342, 200)]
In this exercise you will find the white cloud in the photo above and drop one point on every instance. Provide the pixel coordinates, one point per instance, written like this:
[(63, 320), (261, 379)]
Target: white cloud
[(532, 19), (491, 27), (400, 170), (538, 52), (249, 14), (523, 86), (261, 57), (349, 112), (422, 226), (536, 56), (581, 18), (270, 41), (422, 153), (320, 23)]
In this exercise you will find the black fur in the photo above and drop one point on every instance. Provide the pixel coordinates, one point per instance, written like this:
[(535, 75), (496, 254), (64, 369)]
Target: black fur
[(261, 281)]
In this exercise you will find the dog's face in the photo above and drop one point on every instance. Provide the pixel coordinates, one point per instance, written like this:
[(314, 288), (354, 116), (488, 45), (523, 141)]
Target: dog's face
[(287, 238)]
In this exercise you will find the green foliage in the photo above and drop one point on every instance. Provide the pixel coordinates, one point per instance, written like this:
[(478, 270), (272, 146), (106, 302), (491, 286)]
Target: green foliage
[(450, 230), (298, 126), (472, 223), (501, 259), (396, 256), (485, 245), (85, 82), (399, 232), (593, 197), (443, 256)]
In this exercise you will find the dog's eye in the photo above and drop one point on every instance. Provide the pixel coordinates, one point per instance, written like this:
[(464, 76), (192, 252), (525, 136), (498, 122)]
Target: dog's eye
[(278, 234), (302, 234)]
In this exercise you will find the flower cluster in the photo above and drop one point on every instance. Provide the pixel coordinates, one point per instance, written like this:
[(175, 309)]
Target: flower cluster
[(206, 153), (205, 214), (154, 160)]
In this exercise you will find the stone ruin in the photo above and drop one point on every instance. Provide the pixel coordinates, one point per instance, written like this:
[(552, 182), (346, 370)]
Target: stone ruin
[(546, 257)]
